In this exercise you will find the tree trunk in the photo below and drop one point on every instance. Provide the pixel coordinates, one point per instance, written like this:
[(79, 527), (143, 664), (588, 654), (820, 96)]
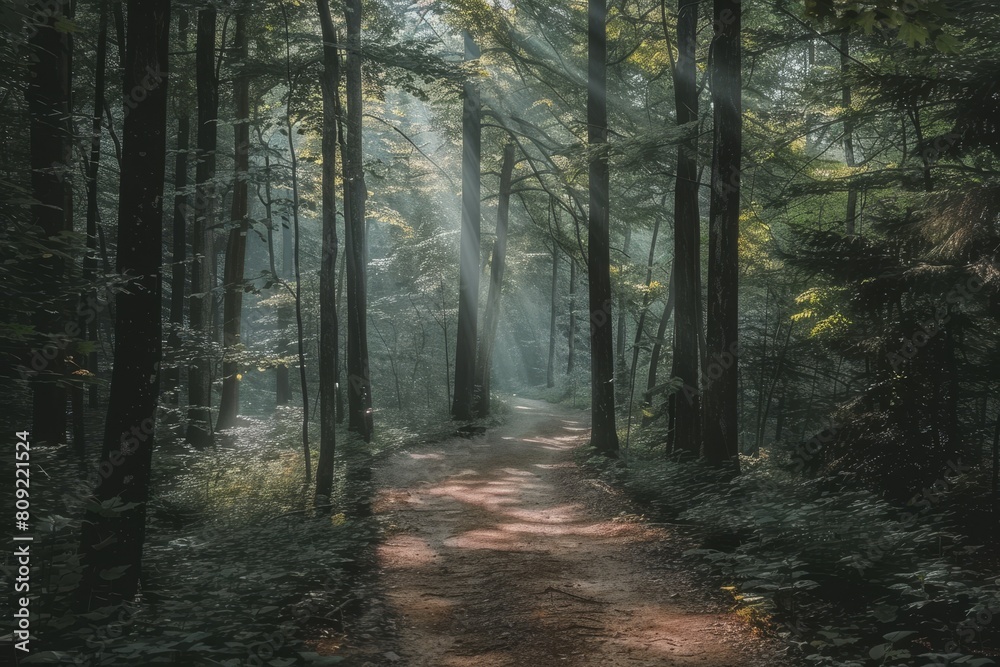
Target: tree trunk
[(686, 403), (492, 317), (640, 326), (116, 541), (328, 333), (359, 396), (654, 356), (93, 167), (604, 436), (849, 157), (571, 334), (199, 429), (550, 376), (721, 411), (50, 139), (236, 247), (468, 281), (621, 368), (296, 230)]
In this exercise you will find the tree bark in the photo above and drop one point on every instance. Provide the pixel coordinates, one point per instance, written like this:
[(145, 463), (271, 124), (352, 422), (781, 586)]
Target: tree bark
[(468, 288), (359, 395), (604, 435), (236, 247), (329, 336), (199, 429), (849, 157), (115, 541), (550, 375), (571, 334), (685, 435), (654, 356), (721, 437), (491, 319), (50, 140), (93, 167)]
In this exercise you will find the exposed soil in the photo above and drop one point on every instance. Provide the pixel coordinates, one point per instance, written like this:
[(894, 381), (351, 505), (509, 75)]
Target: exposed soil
[(501, 553)]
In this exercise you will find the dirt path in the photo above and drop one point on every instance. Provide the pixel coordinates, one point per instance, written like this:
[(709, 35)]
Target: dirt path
[(503, 554)]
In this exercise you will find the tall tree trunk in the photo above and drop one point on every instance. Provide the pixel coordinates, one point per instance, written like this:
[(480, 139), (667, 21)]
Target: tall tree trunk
[(468, 280), (571, 334), (115, 540), (296, 230), (359, 380), (550, 375), (654, 356), (604, 436), (283, 389), (329, 337), (236, 247), (50, 139), (849, 157), (640, 326), (93, 168), (492, 317), (199, 428), (686, 402), (621, 368), (721, 437)]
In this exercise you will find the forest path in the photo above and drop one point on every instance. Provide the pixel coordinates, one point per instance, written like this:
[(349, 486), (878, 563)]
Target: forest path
[(503, 554)]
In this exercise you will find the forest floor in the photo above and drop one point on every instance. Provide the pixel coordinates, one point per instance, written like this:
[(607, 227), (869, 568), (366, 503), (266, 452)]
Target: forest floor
[(501, 552)]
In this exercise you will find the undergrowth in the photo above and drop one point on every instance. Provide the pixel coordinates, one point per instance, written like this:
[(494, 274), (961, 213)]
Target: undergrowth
[(238, 567), (846, 577)]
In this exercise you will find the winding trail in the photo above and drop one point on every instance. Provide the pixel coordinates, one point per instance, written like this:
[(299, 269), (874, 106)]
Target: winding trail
[(502, 554)]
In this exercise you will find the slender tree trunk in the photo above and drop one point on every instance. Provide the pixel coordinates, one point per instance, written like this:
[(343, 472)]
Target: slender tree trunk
[(93, 168), (640, 326), (849, 157), (604, 435), (621, 368), (296, 230), (115, 540), (468, 289), (358, 378), (686, 404), (654, 355), (341, 412), (236, 247), (571, 334), (199, 429), (492, 317), (550, 376), (329, 336), (283, 389), (721, 435), (50, 135)]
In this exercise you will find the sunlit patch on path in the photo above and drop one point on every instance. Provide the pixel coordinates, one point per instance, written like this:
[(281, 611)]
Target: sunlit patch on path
[(498, 559)]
